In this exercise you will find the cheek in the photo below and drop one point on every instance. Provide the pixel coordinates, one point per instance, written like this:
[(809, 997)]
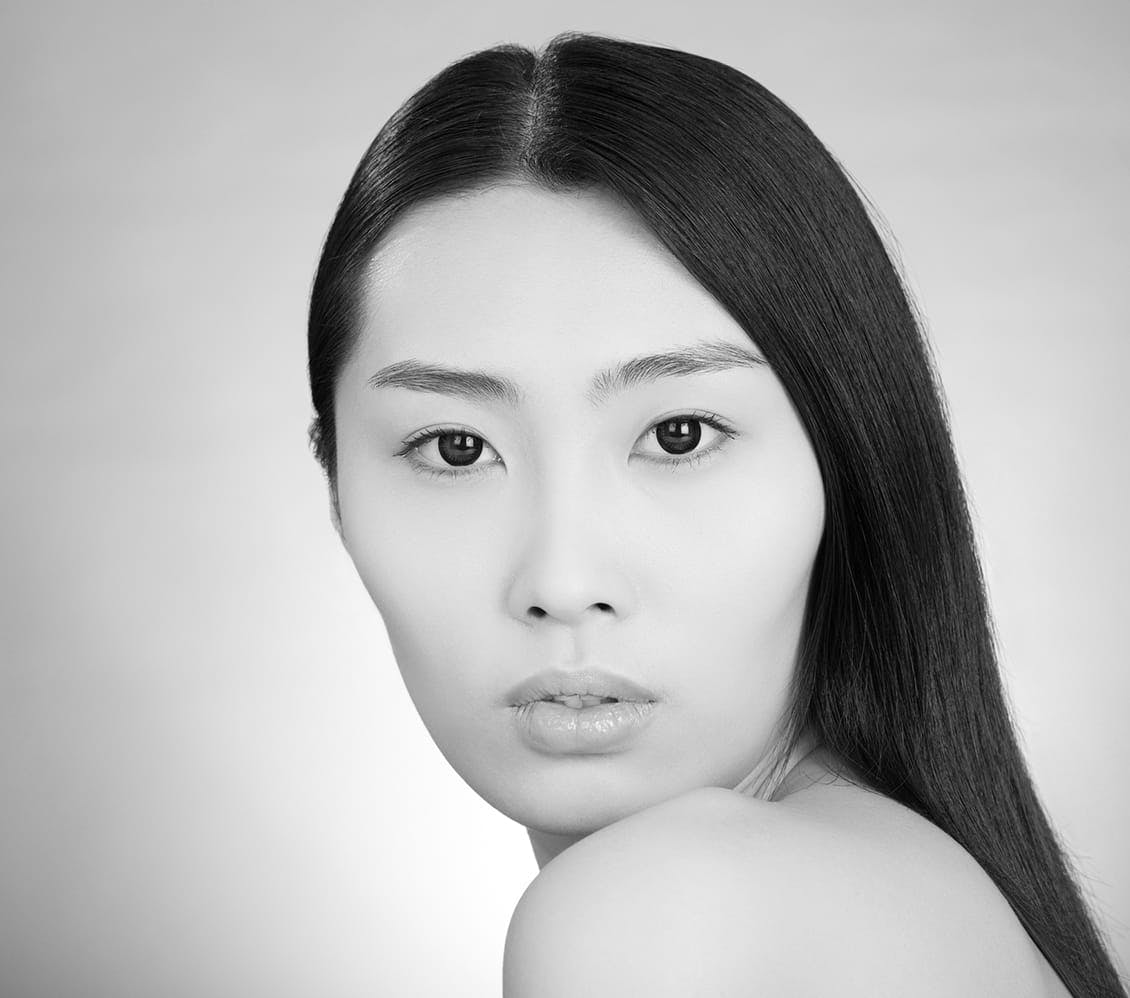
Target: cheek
[(401, 548), (426, 582), (772, 546), (753, 532), (742, 571)]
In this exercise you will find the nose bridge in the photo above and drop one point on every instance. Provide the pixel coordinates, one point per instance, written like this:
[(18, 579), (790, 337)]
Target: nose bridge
[(569, 563)]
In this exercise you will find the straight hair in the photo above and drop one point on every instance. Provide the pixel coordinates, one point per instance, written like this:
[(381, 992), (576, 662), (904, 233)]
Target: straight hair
[(897, 671)]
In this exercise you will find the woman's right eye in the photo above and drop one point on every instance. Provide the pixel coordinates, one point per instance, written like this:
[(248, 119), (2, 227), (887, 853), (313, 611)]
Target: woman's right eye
[(457, 445)]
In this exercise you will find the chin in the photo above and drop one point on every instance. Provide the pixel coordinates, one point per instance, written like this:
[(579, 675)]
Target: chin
[(573, 803)]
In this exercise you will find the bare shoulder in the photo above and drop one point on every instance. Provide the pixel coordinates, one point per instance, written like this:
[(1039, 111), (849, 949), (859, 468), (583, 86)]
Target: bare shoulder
[(831, 890)]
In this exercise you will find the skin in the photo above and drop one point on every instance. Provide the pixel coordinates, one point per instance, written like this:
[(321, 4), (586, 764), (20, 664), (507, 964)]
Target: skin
[(691, 581)]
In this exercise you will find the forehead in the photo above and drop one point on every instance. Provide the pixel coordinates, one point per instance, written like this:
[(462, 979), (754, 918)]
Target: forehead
[(519, 277)]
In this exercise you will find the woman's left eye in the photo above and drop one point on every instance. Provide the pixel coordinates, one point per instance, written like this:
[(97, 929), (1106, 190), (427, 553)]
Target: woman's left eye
[(460, 448)]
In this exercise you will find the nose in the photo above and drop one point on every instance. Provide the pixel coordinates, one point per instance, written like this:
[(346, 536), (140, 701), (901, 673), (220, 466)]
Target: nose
[(572, 564)]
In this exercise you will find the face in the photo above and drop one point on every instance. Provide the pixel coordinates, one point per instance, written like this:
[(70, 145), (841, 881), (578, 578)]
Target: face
[(664, 530)]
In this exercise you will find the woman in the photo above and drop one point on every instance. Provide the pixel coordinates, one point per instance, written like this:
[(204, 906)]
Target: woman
[(635, 442)]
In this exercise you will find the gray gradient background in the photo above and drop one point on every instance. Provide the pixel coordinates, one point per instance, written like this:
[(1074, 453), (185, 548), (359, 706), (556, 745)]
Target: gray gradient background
[(212, 780)]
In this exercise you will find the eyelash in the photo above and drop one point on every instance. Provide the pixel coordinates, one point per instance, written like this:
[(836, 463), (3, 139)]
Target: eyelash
[(412, 446)]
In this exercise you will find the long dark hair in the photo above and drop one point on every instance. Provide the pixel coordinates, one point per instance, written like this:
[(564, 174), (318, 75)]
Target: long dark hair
[(897, 674)]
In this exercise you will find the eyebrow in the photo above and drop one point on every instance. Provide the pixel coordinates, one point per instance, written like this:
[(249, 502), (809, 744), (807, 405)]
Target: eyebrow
[(704, 357)]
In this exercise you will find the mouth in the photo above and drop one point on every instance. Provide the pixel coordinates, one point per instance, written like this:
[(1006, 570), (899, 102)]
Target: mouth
[(578, 690), (578, 700)]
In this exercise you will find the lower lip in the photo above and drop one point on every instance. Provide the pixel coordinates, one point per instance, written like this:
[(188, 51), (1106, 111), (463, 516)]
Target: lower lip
[(553, 727)]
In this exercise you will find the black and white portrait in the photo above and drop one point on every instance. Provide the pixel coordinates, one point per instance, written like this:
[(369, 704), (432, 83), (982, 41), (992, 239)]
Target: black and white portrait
[(595, 502)]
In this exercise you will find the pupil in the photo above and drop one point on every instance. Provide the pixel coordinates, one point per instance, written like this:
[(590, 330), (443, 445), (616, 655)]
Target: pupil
[(465, 451), (678, 436)]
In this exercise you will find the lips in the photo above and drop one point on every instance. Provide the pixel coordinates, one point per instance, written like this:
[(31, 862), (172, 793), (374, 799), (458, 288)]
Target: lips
[(587, 683), (578, 700)]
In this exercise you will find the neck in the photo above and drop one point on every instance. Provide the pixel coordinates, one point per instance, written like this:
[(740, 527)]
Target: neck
[(769, 782), (549, 845)]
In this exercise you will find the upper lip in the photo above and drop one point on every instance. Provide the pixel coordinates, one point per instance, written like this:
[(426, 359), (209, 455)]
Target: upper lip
[(588, 682)]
